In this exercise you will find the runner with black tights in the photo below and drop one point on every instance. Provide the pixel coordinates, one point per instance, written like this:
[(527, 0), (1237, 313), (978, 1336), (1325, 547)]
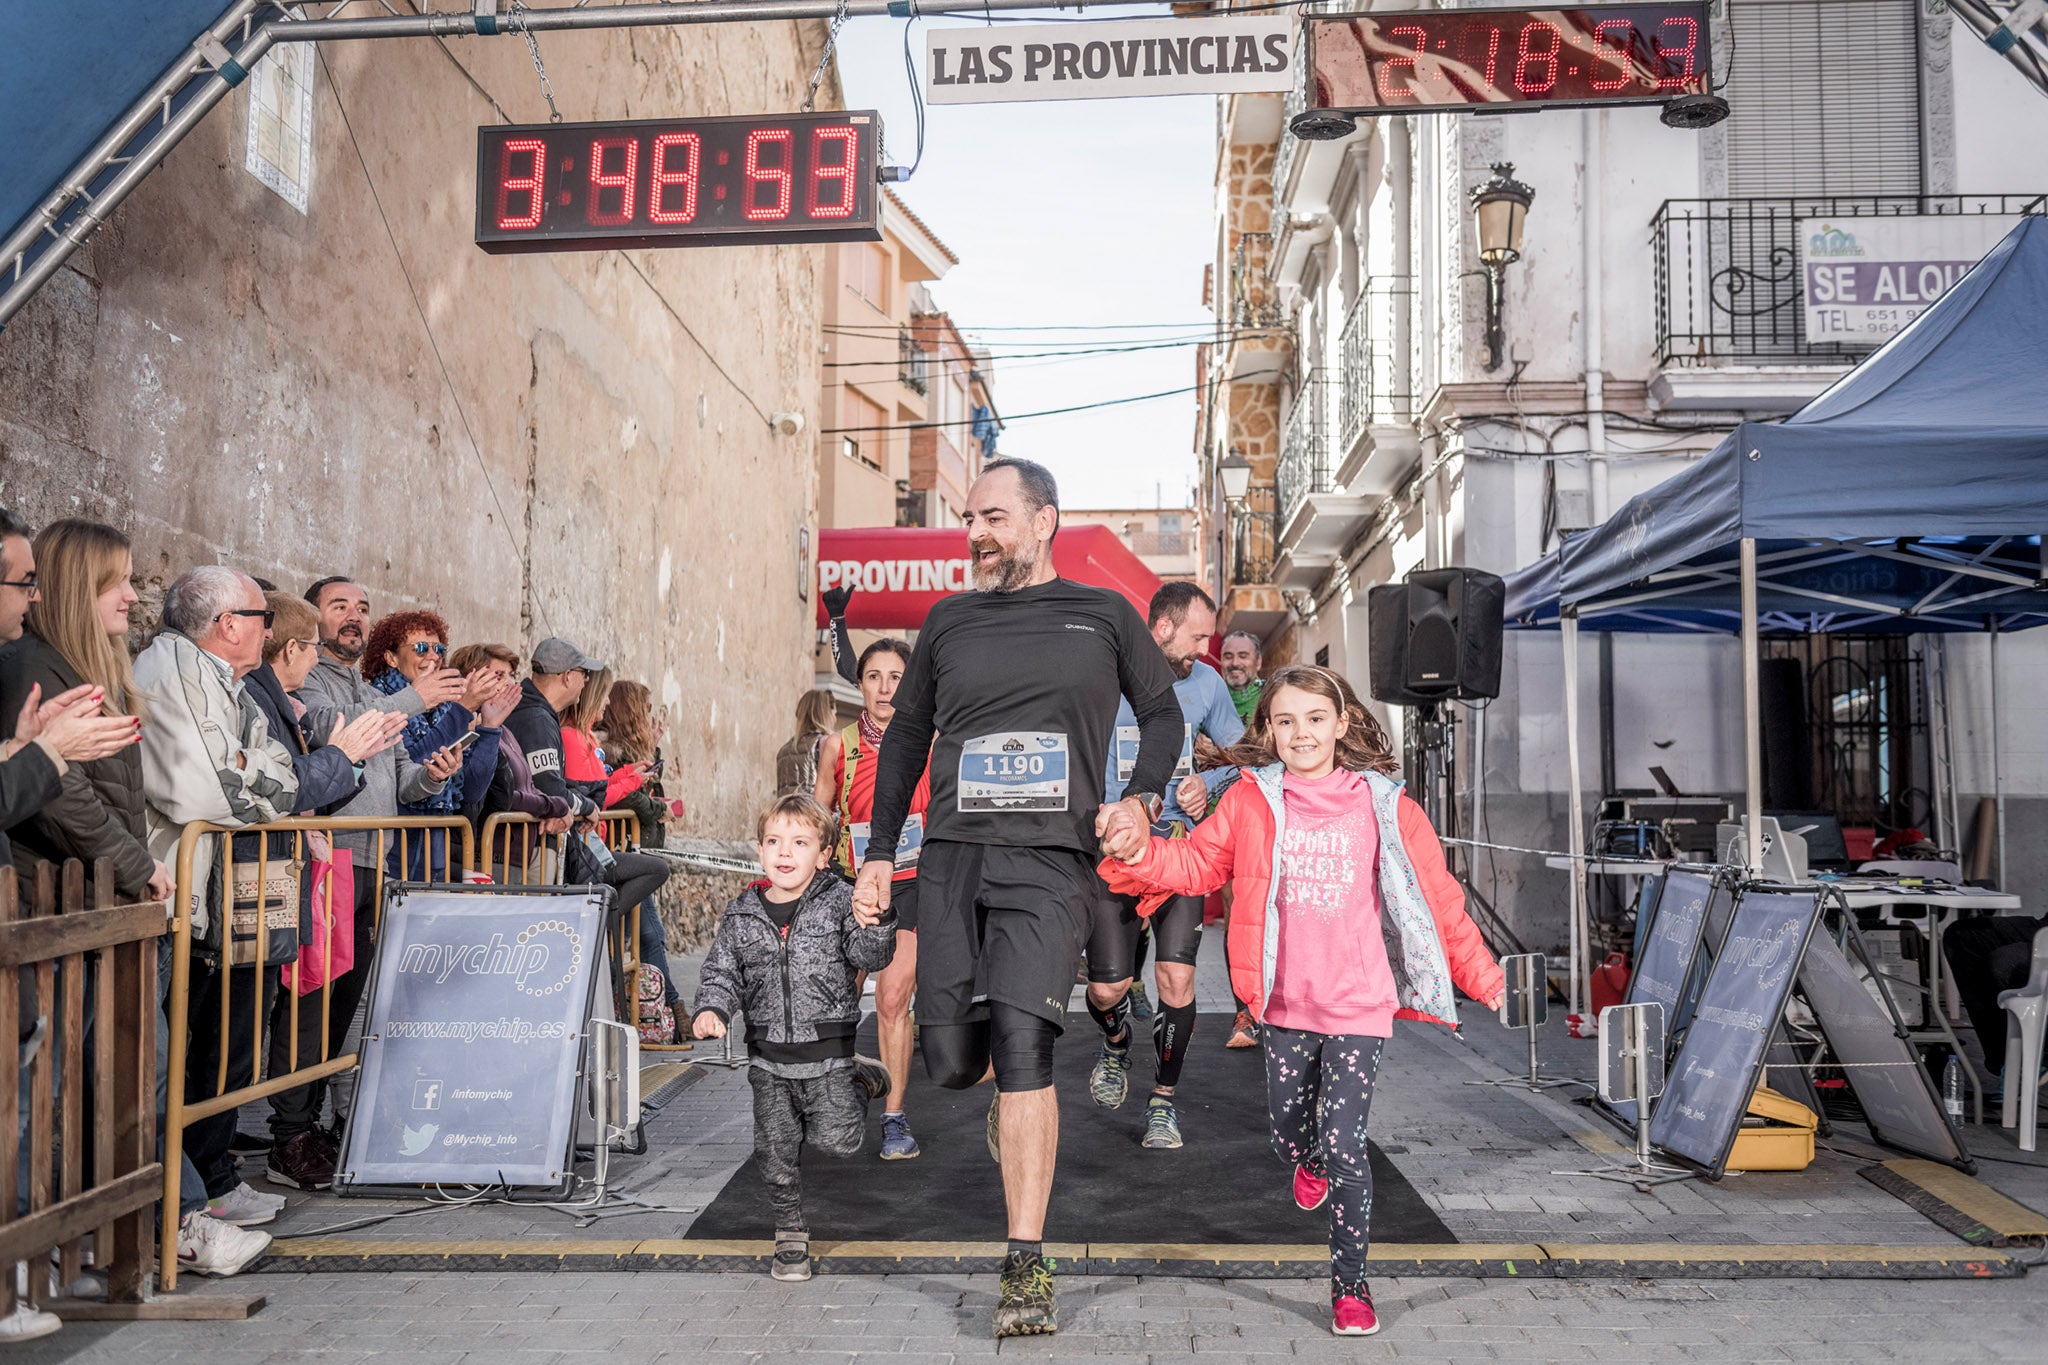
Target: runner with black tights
[(1019, 680)]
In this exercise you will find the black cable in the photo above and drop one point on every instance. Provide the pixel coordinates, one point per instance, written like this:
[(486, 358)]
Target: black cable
[(1021, 416), (916, 97), (891, 329)]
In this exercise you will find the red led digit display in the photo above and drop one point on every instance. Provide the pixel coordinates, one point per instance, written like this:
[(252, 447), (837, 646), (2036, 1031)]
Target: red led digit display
[(679, 182), (1508, 58)]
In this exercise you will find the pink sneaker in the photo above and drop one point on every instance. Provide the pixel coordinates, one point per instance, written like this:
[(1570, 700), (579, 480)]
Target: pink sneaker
[(1351, 1317), (1310, 1190)]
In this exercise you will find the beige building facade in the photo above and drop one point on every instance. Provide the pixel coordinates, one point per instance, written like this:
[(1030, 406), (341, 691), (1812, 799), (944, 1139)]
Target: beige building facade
[(1170, 540)]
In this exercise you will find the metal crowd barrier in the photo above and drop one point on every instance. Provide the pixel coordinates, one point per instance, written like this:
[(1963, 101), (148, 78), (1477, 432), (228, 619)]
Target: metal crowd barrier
[(71, 970), (396, 832)]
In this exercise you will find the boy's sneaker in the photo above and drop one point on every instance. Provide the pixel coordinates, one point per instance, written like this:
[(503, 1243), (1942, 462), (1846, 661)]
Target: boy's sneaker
[(26, 1324), (303, 1161), (1141, 1003), (871, 1076), (1162, 1124), (1243, 1032), (208, 1246), (1353, 1317), (792, 1256), (244, 1207), (1024, 1302), (1310, 1189), (1110, 1081), (897, 1143), (995, 1128)]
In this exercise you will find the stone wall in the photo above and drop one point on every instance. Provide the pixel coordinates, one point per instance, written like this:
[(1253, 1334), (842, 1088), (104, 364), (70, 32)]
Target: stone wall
[(574, 444)]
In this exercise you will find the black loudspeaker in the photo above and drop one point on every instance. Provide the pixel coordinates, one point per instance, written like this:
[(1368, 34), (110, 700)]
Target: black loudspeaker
[(1787, 735), (1436, 637)]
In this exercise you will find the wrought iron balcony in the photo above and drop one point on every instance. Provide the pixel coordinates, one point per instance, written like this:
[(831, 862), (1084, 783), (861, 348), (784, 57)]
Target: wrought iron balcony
[(1305, 462), (1372, 358), (1253, 532), (1253, 300), (1728, 287), (913, 362)]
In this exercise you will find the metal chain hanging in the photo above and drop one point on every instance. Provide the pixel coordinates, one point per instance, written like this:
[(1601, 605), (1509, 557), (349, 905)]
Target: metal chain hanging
[(517, 19), (825, 57)]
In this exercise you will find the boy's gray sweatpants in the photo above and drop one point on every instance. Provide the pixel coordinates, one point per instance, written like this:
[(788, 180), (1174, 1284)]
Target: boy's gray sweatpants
[(829, 1112)]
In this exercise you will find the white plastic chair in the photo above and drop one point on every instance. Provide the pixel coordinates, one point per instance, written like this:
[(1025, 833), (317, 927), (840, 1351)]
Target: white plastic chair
[(2026, 1011)]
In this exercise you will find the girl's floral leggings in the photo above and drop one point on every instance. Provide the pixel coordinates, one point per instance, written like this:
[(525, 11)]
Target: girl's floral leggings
[(1319, 1092)]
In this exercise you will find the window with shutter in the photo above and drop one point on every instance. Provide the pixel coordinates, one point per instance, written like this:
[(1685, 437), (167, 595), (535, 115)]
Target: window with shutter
[(1824, 98)]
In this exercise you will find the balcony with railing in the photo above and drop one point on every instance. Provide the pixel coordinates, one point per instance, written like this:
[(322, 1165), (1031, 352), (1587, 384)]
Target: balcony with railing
[(1252, 533), (1374, 437), (1254, 302), (913, 362), (1730, 297), (1316, 513)]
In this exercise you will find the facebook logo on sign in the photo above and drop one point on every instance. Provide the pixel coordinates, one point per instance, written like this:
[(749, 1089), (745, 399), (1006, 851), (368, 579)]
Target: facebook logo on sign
[(426, 1094)]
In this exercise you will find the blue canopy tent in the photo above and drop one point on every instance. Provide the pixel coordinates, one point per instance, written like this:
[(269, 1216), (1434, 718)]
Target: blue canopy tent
[(1911, 496)]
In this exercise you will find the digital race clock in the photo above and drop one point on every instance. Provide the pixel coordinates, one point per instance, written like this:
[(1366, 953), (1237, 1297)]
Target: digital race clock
[(679, 182), (1501, 59)]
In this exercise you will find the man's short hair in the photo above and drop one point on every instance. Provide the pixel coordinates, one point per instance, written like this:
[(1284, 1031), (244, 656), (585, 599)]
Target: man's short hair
[(295, 620), (322, 585), (1172, 601), (1040, 488), (198, 597), (799, 806), (12, 525), (1258, 648)]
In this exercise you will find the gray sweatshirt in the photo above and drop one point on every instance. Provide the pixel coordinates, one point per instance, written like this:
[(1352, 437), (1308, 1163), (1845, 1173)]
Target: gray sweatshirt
[(389, 777)]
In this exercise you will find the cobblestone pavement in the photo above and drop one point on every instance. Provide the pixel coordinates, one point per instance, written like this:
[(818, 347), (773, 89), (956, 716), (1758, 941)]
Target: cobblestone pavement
[(1482, 1156)]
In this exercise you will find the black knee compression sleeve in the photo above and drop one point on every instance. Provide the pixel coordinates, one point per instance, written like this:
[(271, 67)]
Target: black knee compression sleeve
[(1020, 1045), (1171, 1029), (955, 1055), (1114, 1021)]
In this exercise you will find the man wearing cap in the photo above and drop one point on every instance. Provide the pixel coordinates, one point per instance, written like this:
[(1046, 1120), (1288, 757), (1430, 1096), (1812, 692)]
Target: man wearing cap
[(560, 670)]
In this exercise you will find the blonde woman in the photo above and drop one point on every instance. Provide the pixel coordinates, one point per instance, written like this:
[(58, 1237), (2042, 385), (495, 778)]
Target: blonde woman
[(796, 762)]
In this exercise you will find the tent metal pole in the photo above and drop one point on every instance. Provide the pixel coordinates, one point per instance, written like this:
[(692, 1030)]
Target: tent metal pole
[(1568, 626), (1752, 717), (1997, 767)]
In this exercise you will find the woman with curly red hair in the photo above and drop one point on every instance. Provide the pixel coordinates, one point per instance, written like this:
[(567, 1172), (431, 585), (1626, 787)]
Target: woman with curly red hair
[(404, 648)]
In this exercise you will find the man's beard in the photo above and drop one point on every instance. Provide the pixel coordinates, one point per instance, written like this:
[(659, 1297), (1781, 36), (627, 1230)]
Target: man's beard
[(1010, 572), (340, 649), (1244, 677), (1181, 667)]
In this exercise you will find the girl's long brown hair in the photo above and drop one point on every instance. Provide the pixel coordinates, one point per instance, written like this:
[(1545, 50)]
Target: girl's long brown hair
[(76, 561), (590, 702), (1364, 744), (628, 723)]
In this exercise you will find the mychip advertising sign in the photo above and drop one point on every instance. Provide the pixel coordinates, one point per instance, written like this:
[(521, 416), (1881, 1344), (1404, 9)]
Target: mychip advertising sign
[(474, 1040)]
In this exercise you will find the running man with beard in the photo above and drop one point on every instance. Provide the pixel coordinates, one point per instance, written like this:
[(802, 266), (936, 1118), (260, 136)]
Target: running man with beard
[(1019, 680), (1181, 618)]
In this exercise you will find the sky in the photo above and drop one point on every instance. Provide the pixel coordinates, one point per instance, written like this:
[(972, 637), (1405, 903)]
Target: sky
[(1084, 215)]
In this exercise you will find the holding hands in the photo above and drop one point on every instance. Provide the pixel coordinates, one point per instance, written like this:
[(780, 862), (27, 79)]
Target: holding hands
[(871, 891), (1123, 830), (1193, 796)]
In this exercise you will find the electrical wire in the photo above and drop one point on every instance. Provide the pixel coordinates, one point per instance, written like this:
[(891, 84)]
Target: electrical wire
[(1022, 416), (916, 95)]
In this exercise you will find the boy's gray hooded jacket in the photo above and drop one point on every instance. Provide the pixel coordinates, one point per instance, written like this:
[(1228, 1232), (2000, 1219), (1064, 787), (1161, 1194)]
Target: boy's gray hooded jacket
[(797, 990)]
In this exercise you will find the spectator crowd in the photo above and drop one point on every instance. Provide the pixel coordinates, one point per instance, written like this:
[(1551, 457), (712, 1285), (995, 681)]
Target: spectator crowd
[(250, 705)]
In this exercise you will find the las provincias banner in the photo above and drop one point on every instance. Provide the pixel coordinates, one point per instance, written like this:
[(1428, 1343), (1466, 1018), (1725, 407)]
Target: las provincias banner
[(898, 573), (1090, 61)]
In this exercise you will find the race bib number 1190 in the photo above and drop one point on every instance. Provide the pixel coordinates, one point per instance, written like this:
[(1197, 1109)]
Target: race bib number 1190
[(1025, 771)]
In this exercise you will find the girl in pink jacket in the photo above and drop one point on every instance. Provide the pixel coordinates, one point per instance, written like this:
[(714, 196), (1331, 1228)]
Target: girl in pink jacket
[(1345, 918)]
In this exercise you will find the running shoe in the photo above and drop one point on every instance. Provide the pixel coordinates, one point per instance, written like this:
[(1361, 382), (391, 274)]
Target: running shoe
[(244, 1207), (1141, 1003), (871, 1076), (792, 1256), (1162, 1124), (897, 1143), (1310, 1189), (303, 1161), (1110, 1081), (26, 1324), (1353, 1317), (1024, 1302), (1243, 1032), (995, 1128), (210, 1247)]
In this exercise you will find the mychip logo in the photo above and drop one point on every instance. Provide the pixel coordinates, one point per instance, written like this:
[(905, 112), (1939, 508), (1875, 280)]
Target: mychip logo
[(541, 959)]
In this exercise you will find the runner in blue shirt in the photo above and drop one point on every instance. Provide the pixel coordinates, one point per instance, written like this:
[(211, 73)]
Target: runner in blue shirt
[(1181, 618)]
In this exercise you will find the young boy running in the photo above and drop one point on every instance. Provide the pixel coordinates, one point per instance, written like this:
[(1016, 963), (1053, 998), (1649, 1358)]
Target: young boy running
[(787, 956)]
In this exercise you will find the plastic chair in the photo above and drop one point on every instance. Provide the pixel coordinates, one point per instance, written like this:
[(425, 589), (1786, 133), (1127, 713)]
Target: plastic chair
[(2026, 1012)]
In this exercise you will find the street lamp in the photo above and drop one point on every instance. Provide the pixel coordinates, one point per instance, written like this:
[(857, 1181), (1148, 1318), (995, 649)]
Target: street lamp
[(1234, 471), (1499, 208)]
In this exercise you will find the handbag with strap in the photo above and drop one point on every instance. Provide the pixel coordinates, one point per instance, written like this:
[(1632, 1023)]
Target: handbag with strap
[(261, 928)]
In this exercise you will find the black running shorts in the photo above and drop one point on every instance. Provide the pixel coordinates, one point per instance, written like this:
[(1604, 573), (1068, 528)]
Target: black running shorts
[(903, 900), (999, 923), (1115, 925)]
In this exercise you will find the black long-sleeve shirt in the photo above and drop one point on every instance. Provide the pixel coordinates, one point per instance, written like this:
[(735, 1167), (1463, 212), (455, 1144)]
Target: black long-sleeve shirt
[(1021, 689)]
